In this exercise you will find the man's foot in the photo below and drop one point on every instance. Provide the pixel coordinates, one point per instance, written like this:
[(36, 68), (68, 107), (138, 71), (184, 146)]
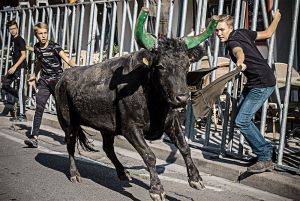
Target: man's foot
[(32, 143), (260, 166), (22, 118)]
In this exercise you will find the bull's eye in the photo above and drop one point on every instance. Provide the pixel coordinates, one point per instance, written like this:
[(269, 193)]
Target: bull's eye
[(161, 68)]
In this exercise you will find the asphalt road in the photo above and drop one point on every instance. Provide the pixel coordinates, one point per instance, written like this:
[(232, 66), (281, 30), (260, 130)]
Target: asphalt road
[(28, 174)]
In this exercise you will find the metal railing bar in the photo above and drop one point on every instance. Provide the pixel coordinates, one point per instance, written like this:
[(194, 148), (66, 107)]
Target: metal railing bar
[(288, 83), (103, 32)]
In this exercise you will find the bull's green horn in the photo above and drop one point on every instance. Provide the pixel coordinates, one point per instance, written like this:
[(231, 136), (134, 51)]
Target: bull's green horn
[(193, 41), (143, 38)]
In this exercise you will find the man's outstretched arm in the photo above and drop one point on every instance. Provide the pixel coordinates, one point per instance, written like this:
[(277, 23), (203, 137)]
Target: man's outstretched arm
[(261, 35)]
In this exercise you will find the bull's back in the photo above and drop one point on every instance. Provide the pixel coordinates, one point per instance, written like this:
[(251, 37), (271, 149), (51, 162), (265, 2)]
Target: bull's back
[(89, 96), (93, 95)]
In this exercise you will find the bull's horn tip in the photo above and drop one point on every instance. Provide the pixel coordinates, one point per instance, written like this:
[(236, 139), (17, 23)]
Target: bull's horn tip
[(145, 9)]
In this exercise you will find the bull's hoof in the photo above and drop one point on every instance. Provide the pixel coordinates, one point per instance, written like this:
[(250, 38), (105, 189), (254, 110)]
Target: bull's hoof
[(125, 176), (197, 184), (75, 179), (158, 196)]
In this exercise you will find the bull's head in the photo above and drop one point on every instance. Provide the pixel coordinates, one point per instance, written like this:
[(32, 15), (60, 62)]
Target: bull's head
[(172, 59)]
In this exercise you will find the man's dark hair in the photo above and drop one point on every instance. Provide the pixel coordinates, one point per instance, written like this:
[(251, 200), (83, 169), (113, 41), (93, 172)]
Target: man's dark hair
[(11, 23)]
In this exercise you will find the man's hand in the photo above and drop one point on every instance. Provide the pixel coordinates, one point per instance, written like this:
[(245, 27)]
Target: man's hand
[(29, 48), (276, 15), (242, 65), (32, 79), (12, 70)]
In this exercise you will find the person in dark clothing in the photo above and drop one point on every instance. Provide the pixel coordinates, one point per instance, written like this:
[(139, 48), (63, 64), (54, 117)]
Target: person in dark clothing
[(49, 55), (260, 84), (16, 73)]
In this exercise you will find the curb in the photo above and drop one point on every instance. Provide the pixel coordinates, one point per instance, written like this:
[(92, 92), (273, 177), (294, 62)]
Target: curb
[(280, 183)]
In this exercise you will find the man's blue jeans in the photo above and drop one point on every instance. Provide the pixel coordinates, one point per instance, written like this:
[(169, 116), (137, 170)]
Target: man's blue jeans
[(249, 103)]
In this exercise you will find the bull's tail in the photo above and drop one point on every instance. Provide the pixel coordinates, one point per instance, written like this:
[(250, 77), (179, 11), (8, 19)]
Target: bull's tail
[(84, 142)]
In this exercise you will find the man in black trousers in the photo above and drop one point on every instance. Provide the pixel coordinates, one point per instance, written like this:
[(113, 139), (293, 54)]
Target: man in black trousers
[(49, 55), (16, 73)]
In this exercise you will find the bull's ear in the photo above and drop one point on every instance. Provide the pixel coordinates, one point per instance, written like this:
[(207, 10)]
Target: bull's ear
[(196, 53), (145, 61), (142, 57), (193, 41)]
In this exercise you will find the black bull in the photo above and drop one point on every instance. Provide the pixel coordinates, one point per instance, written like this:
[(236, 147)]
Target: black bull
[(136, 95)]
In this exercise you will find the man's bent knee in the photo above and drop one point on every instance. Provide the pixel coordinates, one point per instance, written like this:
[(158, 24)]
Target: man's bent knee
[(239, 123)]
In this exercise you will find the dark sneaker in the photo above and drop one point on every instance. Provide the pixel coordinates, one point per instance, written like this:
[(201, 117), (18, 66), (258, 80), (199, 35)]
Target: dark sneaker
[(32, 143), (252, 161), (261, 166), (22, 118), (5, 112)]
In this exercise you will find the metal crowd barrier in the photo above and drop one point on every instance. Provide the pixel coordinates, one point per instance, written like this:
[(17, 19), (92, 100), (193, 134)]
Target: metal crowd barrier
[(91, 32)]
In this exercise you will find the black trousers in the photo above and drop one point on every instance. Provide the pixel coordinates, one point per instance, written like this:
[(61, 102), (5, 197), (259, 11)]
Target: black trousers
[(45, 87), (18, 91)]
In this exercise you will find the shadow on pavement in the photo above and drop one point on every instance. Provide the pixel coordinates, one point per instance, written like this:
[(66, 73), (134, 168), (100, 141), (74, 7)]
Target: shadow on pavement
[(105, 176)]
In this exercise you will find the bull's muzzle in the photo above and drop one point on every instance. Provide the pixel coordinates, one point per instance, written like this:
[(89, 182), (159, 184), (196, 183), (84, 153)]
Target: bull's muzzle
[(182, 98)]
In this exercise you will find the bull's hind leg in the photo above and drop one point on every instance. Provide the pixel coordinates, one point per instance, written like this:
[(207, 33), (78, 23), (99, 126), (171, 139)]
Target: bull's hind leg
[(70, 138), (174, 132), (136, 139), (63, 115), (108, 141), (74, 173)]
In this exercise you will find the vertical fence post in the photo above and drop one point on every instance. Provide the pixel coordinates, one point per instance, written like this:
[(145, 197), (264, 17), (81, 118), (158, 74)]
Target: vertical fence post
[(89, 41), (33, 22), (198, 18), (93, 39), (213, 75), (63, 40), (3, 44), (270, 61), (30, 25), (8, 46), (79, 39), (157, 18), (133, 42), (183, 18), (57, 24), (197, 28), (170, 20), (123, 27), (104, 16), (50, 23), (113, 28), (288, 83), (72, 31), (1, 36), (22, 23), (43, 14)]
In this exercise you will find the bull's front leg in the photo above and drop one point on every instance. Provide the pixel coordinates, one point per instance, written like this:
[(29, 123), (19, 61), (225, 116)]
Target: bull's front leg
[(136, 139), (174, 132)]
